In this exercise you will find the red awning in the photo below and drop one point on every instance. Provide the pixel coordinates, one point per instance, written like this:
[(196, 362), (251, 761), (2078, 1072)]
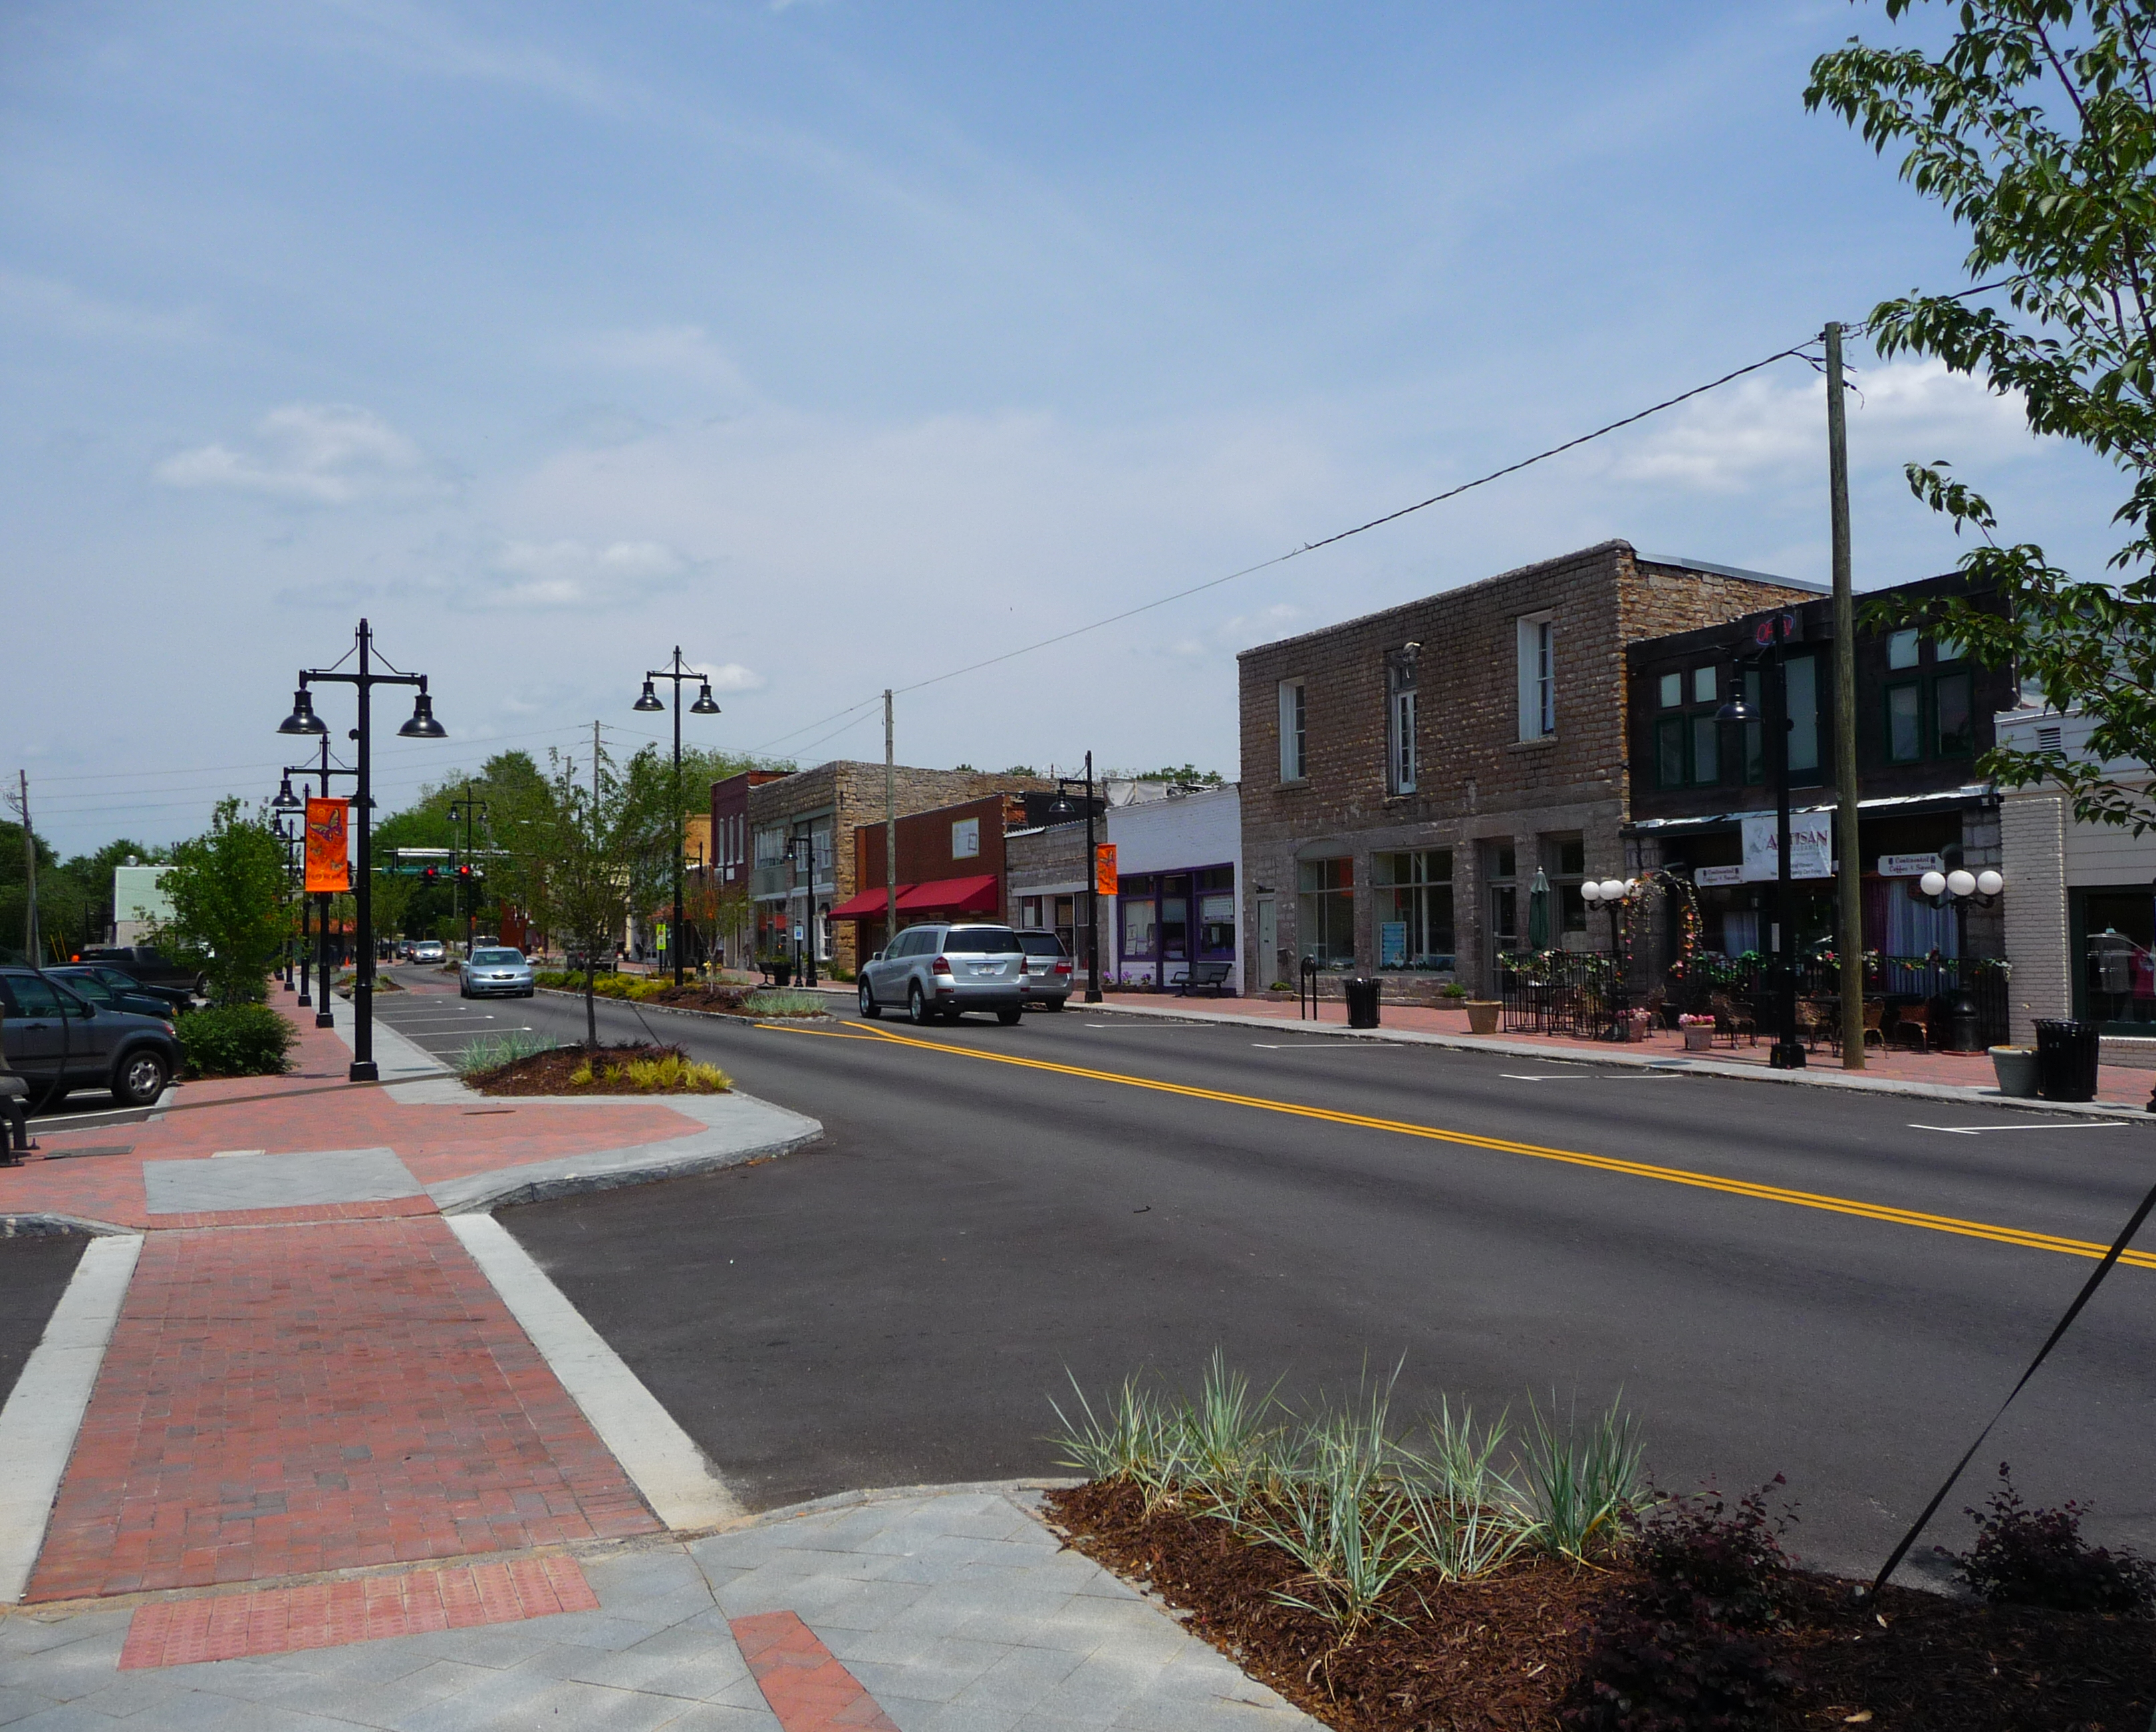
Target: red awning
[(869, 905), (950, 895)]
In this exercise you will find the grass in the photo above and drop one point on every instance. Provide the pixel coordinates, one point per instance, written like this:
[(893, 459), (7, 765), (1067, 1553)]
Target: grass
[(670, 1073), (772, 1002), (490, 1052), (1361, 1503)]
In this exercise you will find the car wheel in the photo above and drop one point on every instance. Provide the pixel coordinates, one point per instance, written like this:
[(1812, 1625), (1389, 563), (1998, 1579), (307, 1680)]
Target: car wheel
[(918, 1012), (140, 1077), (1009, 1015), (869, 1008), (1053, 1004)]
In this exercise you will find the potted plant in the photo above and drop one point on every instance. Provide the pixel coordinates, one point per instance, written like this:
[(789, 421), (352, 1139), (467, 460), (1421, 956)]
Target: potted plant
[(1698, 1033), (2015, 1067), (1482, 1015)]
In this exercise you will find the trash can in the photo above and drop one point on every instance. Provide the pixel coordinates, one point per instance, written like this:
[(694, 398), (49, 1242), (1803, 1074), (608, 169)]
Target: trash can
[(1361, 1002), (1961, 1022), (2067, 1053)]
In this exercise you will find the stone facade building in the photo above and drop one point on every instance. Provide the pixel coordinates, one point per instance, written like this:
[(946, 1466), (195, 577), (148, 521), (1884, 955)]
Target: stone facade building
[(1404, 774), (825, 805)]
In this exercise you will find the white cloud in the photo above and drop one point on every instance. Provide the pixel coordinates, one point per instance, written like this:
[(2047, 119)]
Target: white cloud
[(732, 676), (576, 574), (319, 453), (1771, 429), (680, 352)]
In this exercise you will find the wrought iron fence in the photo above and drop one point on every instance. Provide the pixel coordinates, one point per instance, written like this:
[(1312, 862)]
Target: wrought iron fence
[(1557, 993)]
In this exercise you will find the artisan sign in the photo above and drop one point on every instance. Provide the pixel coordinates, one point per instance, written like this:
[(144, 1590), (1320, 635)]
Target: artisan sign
[(1811, 846)]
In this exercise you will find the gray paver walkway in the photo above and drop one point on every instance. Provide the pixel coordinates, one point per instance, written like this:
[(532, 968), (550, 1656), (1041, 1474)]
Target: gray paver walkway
[(956, 1610)]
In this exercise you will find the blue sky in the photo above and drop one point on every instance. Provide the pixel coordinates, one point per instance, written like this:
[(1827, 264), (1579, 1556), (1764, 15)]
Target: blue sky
[(845, 343)]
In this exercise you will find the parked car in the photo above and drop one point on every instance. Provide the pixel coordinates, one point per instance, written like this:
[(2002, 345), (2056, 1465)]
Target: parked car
[(430, 950), (114, 990), (170, 1001), (148, 964), (495, 973), (57, 1041), (940, 972), (1046, 978)]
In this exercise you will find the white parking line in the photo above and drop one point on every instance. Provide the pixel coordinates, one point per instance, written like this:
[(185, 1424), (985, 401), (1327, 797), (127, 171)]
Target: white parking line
[(653, 1450), (1979, 1129), (39, 1425)]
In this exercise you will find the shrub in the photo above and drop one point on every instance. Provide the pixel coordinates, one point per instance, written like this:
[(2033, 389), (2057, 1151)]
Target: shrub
[(236, 1040), (2037, 1557), (1731, 1567), (1581, 1493), (1644, 1674)]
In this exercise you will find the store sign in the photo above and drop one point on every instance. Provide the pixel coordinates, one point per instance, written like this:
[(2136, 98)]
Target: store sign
[(1811, 846), (329, 868), (966, 839), (1708, 876), (1104, 868), (1909, 865)]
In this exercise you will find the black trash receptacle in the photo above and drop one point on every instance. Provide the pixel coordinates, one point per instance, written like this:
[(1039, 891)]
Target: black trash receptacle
[(2066, 1054), (1361, 1002)]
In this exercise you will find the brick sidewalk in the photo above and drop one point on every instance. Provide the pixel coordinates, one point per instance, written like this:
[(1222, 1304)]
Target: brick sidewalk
[(2120, 1085)]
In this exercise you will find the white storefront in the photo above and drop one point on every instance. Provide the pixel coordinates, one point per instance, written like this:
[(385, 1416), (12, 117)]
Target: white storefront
[(2080, 904), (1179, 866)]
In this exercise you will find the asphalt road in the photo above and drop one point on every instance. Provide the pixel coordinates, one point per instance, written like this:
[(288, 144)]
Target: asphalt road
[(901, 1303), (34, 1273)]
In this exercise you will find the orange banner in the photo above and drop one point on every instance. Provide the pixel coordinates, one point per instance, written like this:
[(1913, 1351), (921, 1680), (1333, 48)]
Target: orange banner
[(328, 865), (1104, 868)]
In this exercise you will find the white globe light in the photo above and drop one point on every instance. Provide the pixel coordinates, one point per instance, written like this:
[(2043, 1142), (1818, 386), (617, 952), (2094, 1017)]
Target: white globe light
[(1932, 883), (1989, 883), (1960, 883), (1613, 889), (1590, 893)]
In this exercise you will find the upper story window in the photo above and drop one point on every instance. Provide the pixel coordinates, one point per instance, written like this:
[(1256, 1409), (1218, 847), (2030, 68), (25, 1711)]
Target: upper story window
[(1903, 647), (1400, 721), (1537, 650), (1687, 738), (770, 846), (1293, 737)]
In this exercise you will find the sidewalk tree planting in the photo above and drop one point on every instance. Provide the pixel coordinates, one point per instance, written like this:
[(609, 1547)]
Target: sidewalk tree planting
[(2033, 124), (582, 867), (230, 915)]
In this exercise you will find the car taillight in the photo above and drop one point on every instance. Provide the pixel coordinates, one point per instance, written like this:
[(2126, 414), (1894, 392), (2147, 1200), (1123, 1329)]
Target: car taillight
[(1063, 968), (940, 965)]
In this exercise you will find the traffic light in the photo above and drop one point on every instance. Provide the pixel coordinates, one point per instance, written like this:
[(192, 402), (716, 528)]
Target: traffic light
[(469, 875), (431, 875)]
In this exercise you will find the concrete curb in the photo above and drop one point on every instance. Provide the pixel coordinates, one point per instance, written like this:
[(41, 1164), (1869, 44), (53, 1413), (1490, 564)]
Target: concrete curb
[(683, 1010), (1011, 1488), (50, 1226), (1675, 1064)]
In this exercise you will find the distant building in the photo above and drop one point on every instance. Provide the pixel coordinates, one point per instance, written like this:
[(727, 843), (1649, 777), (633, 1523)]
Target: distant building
[(139, 903)]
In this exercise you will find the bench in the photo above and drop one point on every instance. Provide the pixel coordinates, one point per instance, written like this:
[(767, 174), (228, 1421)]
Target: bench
[(1206, 974)]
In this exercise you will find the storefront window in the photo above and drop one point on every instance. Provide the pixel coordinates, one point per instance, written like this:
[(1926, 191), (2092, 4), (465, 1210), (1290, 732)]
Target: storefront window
[(1216, 925), (1413, 907), (1325, 911), (2118, 972), (1139, 913)]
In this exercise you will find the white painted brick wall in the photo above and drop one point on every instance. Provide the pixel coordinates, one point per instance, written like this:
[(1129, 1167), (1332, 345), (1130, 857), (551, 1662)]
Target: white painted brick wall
[(2032, 834)]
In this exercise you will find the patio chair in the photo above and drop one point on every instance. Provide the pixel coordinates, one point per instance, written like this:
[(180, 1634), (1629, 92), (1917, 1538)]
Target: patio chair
[(1875, 1014), (1730, 1021), (1912, 1027)]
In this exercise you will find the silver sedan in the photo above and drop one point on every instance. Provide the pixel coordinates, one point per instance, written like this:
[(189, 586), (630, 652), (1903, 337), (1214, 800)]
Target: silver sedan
[(494, 974)]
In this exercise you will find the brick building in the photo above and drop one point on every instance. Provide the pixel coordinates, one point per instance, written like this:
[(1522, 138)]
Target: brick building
[(1406, 773), (1924, 718), (730, 855), (823, 805), (951, 866)]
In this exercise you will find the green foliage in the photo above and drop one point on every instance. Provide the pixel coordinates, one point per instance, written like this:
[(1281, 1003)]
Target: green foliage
[(1188, 775), (490, 1052), (773, 1002), (1363, 1506), (230, 915), (236, 1040), (2034, 126)]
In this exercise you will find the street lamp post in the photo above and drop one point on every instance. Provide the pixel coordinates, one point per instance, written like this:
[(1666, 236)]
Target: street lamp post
[(324, 770), (281, 827), (1061, 808), (422, 725), (677, 671), (800, 853), (1787, 1052)]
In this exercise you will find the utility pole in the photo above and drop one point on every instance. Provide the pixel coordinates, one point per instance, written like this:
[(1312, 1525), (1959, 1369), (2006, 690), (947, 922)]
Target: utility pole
[(1849, 890), (467, 808), (889, 829), (29, 868)]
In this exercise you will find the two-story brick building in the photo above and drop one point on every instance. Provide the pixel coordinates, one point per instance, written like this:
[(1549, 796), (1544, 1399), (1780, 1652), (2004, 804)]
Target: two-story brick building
[(825, 805), (1924, 717), (1405, 774)]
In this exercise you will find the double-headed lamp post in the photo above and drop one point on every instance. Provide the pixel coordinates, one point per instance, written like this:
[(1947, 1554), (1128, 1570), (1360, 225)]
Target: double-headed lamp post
[(649, 704), (422, 725), (1061, 809), (280, 825)]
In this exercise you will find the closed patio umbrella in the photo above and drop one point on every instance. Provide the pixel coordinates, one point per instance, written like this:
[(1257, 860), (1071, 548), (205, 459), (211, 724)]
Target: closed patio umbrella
[(1538, 912)]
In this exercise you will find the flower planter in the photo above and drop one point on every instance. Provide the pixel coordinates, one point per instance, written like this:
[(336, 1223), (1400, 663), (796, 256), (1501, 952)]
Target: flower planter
[(2015, 1067), (1482, 1015), (1699, 1040)]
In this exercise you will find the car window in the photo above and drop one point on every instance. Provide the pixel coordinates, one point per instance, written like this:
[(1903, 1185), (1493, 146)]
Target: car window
[(1041, 944), (88, 986), (908, 944), (113, 978), (31, 996), (980, 941), (497, 956)]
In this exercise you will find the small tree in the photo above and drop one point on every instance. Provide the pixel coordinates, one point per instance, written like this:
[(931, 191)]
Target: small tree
[(580, 874), (2061, 202), (229, 914)]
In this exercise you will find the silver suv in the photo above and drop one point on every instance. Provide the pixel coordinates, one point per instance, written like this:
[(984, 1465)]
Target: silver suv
[(940, 972)]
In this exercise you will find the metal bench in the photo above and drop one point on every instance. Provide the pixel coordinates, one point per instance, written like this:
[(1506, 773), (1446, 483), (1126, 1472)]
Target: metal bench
[(1206, 974)]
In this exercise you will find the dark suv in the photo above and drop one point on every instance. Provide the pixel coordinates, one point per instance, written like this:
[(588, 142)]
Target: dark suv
[(57, 1042), (149, 967)]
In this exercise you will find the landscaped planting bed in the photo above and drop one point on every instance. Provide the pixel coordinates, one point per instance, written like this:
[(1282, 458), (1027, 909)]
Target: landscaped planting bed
[(1394, 1580), (762, 1003), (638, 1069)]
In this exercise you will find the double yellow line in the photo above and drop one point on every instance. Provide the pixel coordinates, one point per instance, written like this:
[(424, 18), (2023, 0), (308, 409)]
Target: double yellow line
[(1570, 1157)]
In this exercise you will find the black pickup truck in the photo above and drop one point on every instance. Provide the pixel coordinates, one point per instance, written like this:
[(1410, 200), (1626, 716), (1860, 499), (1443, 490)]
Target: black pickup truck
[(152, 967)]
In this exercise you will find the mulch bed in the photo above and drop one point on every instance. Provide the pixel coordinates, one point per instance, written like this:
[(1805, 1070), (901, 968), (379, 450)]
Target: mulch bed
[(1505, 1654), (548, 1073)]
